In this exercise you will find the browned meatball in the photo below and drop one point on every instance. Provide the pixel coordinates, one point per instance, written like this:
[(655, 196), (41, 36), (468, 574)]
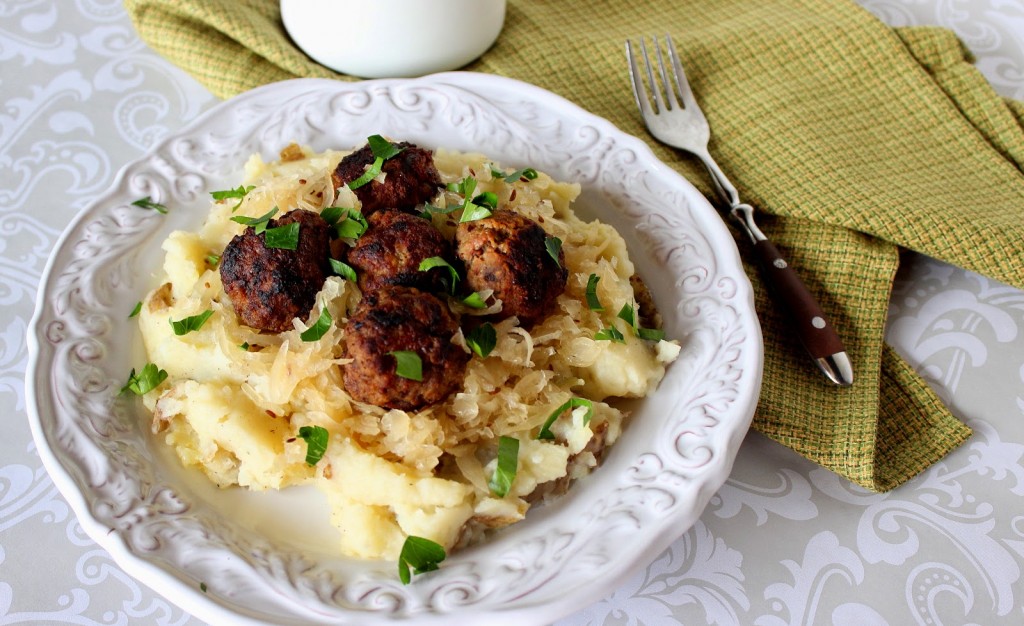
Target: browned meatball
[(411, 179), (506, 252), (392, 248), (402, 318), (269, 287)]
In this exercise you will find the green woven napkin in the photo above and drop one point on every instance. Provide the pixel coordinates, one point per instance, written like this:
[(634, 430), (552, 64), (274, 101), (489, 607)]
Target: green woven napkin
[(856, 139)]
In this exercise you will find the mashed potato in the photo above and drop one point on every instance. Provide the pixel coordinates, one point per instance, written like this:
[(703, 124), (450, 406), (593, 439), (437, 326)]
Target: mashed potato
[(235, 399)]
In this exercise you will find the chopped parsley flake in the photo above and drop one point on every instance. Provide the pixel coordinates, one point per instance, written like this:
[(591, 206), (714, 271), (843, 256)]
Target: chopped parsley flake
[(202, 587), (554, 247), (508, 464), (429, 209), (368, 175), (283, 237), (212, 260), (259, 224), (238, 193), (525, 174), (471, 211), (482, 339), (320, 328), (145, 381), (593, 302), (487, 199), (436, 261), (628, 314), (136, 310), (651, 334), (422, 555), (344, 270), (382, 148), (245, 346), (409, 364), (474, 301), (465, 187), (610, 334), (332, 214), (571, 403), (147, 203), (352, 226), (316, 438), (190, 324)]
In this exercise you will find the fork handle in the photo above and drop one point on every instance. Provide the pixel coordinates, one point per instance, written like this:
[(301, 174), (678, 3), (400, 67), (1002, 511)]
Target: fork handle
[(813, 329)]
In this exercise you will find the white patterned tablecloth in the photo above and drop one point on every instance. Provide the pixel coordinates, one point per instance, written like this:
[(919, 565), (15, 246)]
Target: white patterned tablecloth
[(783, 542)]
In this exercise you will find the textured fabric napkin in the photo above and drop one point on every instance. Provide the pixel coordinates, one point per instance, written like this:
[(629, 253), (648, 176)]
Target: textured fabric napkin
[(856, 139)]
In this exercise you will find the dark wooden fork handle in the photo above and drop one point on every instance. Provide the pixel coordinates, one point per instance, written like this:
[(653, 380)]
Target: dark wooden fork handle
[(813, 329)]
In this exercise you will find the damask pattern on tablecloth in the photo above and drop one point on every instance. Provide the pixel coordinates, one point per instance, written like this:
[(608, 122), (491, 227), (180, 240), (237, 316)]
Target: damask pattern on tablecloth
[(53, 159), (991, 29), (783, 542)]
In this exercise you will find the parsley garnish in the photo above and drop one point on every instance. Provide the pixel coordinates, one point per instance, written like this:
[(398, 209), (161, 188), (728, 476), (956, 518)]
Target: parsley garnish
[(352, 226), (147, 203), (202, 587), (316, 438), (610, 334), (368, 175), (332, 214), (472, 211), (212, 260), (283, 237), (436, 261), (571, 403), (244, 346), (147, 380), (628, 314), (409, 365), (508, 464), (428, 209), (382, 150), (136, 310), (189, 324), (487, 199), (422, 555), (525, 174), (238, 193), (651, 334), (344, 270), (482, 339), (554, 247), (318, 330), (593, 302), (474, 301), (259, 224)]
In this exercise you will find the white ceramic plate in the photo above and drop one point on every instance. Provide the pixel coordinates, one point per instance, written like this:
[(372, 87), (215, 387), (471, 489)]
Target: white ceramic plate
[(267, 557)]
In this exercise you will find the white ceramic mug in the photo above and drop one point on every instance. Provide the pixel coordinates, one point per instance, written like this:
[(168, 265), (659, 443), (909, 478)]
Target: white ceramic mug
[(393, 38)]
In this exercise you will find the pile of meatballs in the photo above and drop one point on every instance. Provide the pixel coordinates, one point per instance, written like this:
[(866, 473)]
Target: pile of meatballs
[(402, 308)]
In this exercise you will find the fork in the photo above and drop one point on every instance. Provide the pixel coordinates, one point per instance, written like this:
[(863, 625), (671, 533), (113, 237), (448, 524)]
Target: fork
[(675, 119)]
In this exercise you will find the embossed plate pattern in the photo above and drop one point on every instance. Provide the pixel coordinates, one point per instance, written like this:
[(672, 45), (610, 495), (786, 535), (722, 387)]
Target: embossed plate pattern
[(246, 558)]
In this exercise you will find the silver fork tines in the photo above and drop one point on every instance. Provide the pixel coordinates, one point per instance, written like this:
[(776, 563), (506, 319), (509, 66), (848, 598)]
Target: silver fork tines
[(684, 126), (667, 86)]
